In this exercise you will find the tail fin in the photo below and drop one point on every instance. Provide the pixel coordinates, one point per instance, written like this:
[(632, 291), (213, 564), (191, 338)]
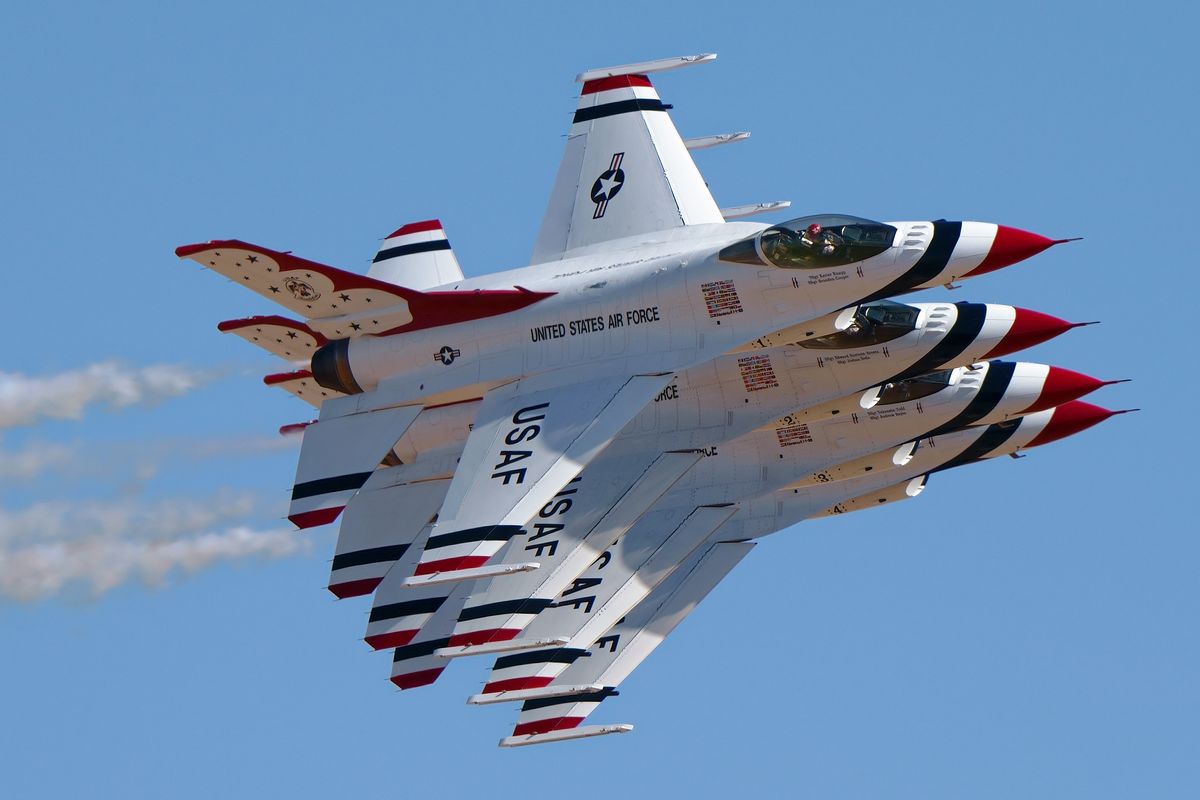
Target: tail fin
[(417, 255)]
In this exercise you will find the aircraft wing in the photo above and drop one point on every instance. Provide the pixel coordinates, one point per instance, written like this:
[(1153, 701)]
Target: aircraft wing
[(626, 171), (558, 708), (596, 600), (530, 438)]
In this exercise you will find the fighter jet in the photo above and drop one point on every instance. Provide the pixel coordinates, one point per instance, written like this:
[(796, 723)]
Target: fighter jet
[(638, 374)]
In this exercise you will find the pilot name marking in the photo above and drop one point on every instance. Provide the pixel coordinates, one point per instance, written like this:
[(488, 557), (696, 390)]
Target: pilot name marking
[(577, 327)]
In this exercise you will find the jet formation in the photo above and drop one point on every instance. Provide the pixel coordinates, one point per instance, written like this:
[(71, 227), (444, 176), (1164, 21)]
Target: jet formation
[(550, 467)]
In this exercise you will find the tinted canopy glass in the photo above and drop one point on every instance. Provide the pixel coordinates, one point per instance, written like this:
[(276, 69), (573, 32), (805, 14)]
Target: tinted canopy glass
[(873, 323), (823, 241), (914, 388)]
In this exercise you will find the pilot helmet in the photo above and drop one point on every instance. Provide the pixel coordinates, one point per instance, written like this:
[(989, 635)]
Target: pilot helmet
[(814, 229)]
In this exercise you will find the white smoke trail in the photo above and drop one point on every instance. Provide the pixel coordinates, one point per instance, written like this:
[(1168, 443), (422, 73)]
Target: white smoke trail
[(34, 459), (26, 399), (51, 546), (103, 563), (124, 518), (145, 458)]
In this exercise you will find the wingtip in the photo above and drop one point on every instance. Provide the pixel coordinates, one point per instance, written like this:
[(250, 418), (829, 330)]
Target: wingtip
[(185, 250)]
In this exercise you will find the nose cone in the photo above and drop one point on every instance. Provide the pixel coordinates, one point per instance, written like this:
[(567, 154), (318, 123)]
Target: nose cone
[(1063, 386), (1069, 419), (1010, 246), (1028, 329)]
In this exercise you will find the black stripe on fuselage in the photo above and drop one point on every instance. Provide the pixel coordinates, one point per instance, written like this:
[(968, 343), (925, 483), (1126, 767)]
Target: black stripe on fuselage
[(962, 333), (524, 605), (993, 436), (372, 555), (929, 265), (584, 697), (561, 655), (488, 533), (338, 483), (995, 384), (425, 605), (620, 107), (410, 249)]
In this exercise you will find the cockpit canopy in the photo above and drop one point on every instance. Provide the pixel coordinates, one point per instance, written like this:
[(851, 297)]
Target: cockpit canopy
[(873, 323), (820, 241), (915, 388)]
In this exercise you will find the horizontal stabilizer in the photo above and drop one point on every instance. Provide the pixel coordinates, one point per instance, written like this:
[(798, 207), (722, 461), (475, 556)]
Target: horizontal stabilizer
[(301, 384), (279, 336), (342, 304), (533, 694), (705, 142), (737, 212), (564, 735)]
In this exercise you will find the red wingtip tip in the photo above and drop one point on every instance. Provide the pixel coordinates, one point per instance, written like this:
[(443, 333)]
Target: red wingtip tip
[(293, 428), (311, 519), (416, 227), (354, 588), (185, 250), (1010, 246), (385, 641), (1029, 328), (1069, 419), (1063, 386), (415, 679), (284, 377)]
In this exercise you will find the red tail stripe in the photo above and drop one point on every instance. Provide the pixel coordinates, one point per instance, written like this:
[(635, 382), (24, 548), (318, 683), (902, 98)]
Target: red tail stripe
[(354, 588), (311, 519), (416, 227), (383, 641), (547, 725), (451, 564), (415, 679), (512, 684), (614, 82)]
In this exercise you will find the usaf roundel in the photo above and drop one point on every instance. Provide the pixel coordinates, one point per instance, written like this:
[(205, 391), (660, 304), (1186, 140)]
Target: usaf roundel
[(607, 185)]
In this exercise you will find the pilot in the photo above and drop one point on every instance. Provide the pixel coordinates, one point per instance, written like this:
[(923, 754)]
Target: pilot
[(817, 239)]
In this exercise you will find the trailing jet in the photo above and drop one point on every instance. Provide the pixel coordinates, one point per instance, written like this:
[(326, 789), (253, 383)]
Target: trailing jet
[(639, 374)]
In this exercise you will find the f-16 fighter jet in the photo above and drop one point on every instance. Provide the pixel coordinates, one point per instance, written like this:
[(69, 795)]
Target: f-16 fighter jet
[(646, 334)]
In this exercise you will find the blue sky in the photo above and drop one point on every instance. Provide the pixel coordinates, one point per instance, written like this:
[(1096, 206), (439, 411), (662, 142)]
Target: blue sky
[(1027, 628)]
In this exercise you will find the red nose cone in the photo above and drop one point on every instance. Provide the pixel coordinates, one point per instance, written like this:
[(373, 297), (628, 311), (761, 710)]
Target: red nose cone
[(1010, 246), (1069, 419), (1063, 386), (1029, 328)]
